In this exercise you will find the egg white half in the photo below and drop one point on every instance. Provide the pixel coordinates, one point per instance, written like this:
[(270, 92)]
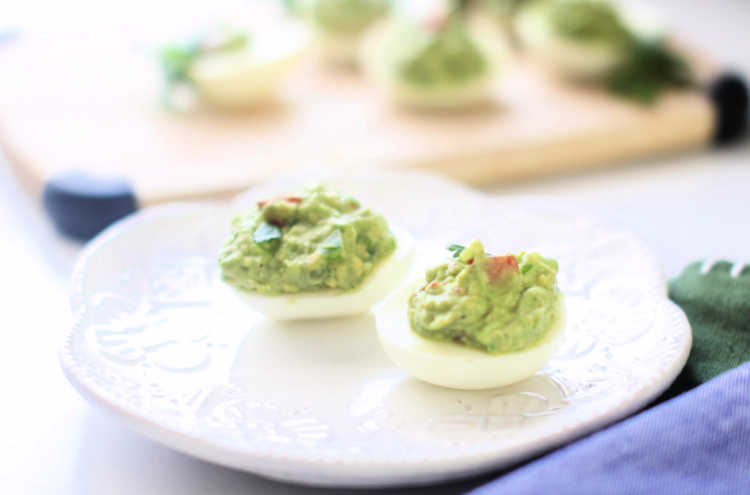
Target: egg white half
[(250, 76), (580, 59), (475, 92), (452, 365), (333, 303)]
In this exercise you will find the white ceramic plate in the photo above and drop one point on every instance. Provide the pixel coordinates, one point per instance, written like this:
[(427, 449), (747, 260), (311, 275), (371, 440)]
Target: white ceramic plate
[(159, 342)]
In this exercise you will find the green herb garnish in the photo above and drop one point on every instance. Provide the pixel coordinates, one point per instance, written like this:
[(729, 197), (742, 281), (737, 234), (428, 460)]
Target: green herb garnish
[(456, 249), (332, 247), (268, 236), (650, 68), (176, 59)]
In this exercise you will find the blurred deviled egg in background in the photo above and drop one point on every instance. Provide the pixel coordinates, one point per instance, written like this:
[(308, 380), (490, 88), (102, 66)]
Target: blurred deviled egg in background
[(622, 45), (314, 253), (430, 55), (233, 67)]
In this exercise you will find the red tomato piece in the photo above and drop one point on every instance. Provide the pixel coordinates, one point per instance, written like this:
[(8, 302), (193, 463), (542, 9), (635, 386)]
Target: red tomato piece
[(498, 266), (436, 19), (291, 199)]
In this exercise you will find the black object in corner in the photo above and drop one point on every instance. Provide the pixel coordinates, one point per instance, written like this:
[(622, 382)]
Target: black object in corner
[(729, 95), (82, 205)]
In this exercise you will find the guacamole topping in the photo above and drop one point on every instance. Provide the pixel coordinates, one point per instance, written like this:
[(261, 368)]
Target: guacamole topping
[(348, 17), (498, 304), (436, 52), (316, 240), (588, 20)]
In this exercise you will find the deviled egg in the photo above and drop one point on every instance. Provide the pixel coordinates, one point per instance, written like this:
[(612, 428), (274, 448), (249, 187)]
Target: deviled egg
[(476, 321), (338, 26), (621, 45), (314, 254), (433, 57), (582, 39), (235, 68)]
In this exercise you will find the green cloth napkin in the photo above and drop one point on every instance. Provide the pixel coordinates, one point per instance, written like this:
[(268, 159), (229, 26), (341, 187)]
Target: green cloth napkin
[(718, 307)]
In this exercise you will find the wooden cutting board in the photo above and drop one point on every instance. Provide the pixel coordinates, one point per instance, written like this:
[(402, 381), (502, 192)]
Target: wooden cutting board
[(93, 105)]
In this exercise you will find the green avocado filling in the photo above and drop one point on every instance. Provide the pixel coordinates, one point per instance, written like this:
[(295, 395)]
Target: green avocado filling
[(436, 53), (348, 17), (498, 304), (588, 20), (319, 239), (649, 65)]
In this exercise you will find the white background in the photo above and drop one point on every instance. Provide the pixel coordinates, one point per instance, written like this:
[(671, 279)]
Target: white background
[(687, 207)]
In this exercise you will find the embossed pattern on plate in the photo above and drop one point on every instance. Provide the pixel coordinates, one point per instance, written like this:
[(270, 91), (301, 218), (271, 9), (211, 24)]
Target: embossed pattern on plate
[(161, 342)]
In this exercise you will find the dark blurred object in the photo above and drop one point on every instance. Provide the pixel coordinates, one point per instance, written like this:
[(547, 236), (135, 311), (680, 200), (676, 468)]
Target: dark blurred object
[(82, 205), (729, 95)]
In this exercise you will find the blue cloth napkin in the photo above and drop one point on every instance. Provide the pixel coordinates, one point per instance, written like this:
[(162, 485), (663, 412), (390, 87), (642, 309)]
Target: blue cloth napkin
[(697, 443)]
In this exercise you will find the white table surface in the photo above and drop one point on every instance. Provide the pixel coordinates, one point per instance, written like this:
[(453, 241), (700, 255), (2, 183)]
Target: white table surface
[(52, 442)]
